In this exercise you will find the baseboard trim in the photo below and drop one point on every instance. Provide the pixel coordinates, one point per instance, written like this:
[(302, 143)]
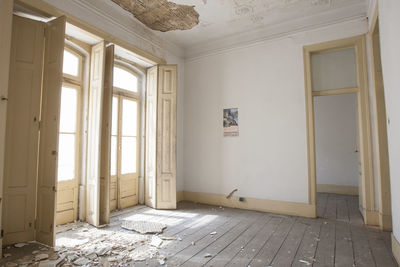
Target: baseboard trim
[(179, 196), (371, 217), (337, 189), (396, 249), (385, 222), (273, 206)]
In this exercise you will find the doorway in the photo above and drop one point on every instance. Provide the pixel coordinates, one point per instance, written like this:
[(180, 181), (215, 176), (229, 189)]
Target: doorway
[(337, 68), (337, 157)]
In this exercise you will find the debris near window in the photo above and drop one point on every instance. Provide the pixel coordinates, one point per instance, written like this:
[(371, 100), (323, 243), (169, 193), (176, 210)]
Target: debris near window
[(161, 15), (143, 227), (20, 245), (86, 246), (231, 194), (156, 241), (213, 233), (305, 262)]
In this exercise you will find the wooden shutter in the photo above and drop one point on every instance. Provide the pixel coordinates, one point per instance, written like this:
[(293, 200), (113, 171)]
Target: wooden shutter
[(161, 137), (151, 136), (166, 137), (50, 116), (22, 136), (106, 137), (94, 134)]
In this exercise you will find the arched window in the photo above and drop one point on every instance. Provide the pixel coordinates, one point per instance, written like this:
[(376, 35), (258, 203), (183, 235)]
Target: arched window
[(125, 79)]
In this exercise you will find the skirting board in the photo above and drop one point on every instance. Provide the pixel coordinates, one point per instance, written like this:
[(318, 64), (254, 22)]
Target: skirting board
[(337, 189), (385, 222), (371, 217), (396, 249), (179, 196), (273, 206)]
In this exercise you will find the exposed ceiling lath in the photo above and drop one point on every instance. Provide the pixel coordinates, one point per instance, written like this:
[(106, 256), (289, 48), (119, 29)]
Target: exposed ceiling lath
[(161, 15)]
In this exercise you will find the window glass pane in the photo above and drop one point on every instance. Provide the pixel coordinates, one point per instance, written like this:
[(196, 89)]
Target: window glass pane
[(66, 157), (69, 99), (70, 63), (128, 155), (334, 70), (129, 118), (114, 126), (113, 155), (125, 80)]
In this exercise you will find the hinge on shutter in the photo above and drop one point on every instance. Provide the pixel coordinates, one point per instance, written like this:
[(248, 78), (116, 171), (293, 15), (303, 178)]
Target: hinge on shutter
[(2, 233)]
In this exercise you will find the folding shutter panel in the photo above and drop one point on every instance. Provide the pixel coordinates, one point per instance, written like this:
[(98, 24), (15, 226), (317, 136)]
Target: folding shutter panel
[(94, 134), (50, 116), (106, 137), (151, 136), (22, 136), (6, 8), (166, 137)]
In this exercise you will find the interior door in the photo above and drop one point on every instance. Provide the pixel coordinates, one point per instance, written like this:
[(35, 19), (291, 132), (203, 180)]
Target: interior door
[(49, 128), (22, 136), (128, 152), (94, 134)]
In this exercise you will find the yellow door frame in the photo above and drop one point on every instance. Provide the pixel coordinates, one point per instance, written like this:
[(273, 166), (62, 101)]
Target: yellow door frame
[(367, 208), (380, 127)]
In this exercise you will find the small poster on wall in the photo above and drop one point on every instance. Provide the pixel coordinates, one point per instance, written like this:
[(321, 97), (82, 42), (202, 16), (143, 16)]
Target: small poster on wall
[(231, 122)]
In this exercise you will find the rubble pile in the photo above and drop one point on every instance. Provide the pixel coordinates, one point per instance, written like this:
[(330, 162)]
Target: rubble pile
[(89, 246)]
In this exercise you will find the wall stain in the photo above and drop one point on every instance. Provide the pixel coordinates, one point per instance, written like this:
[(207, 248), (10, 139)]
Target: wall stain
[(161, 15)]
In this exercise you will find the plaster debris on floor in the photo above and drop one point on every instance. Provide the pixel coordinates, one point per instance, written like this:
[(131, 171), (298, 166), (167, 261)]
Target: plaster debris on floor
[(143, 227), (85, 245), (161, 15)]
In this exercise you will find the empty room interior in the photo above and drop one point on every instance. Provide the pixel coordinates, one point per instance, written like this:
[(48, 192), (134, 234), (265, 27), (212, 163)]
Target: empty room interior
[(200, 133)]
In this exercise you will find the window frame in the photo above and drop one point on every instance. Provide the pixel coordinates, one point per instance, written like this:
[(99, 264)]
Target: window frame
[(75, 82), (68, 77), (77, 129), (124, 92)]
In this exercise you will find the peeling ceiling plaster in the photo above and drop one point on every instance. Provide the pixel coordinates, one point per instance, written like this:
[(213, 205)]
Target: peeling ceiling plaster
[(161, 15)]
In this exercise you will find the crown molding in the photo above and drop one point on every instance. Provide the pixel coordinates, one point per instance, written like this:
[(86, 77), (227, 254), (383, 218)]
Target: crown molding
[(120, 23), (354, 13)]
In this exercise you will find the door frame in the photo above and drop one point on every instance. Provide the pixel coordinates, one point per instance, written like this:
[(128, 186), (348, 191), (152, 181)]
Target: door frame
[(367, 208), (380, 130)]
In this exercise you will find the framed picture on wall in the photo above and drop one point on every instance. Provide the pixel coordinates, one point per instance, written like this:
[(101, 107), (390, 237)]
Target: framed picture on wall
[(231, 122)]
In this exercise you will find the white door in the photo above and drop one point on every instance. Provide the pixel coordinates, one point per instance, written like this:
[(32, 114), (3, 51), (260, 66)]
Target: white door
[(22, 130)]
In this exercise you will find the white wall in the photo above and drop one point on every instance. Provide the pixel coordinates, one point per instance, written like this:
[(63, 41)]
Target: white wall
[(266, 82), (336, 140), (389, 20)]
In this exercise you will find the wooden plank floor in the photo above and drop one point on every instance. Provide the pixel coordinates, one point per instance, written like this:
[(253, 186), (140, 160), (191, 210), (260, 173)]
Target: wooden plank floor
[(248, 238)]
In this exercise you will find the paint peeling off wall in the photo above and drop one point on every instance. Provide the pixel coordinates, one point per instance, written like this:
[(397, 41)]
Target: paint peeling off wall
[(161, 15)]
